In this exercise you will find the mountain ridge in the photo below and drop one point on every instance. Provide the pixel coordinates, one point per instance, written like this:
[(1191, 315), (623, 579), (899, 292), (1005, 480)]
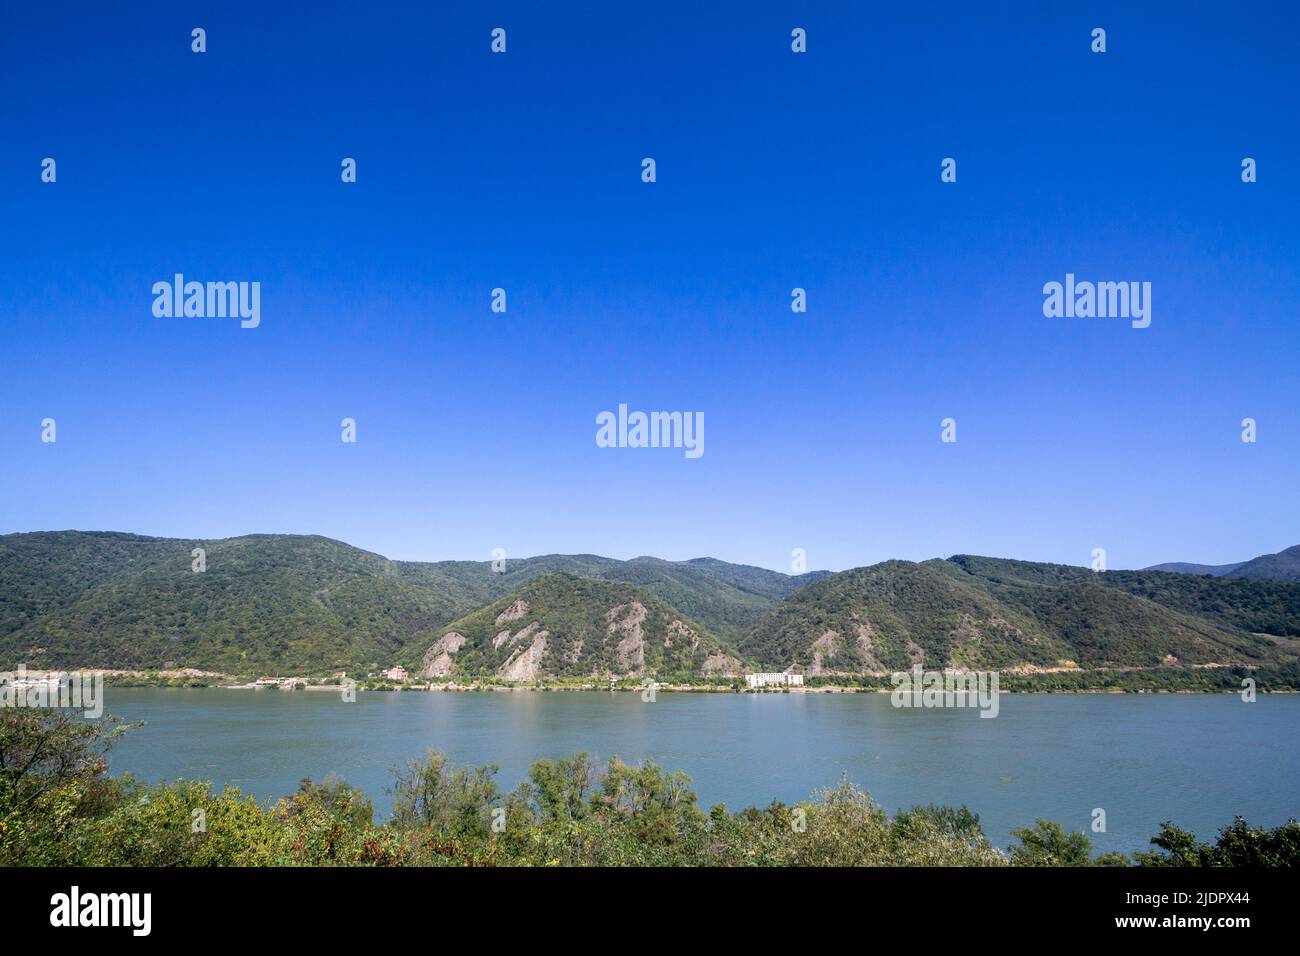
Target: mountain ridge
[(1000, 614), (562, 625), (115, 599), (310, 604), (1282, 566)]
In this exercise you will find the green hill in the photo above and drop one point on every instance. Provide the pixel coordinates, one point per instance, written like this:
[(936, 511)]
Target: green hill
[(265, 602), (1184, 567), (563, 625), (892, 615), (1283, 566), (989, 613), (296, 603), (727, 598), (1235, 604), (305, 604)]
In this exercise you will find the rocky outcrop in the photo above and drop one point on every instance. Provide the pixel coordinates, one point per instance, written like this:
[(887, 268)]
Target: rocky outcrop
[(439, 659), (513, 613), (623, 623), (867, 645), (823, 649), (681, 633), (505, 637), (722, 665), (562, 626), (525, 664), (828, 653)]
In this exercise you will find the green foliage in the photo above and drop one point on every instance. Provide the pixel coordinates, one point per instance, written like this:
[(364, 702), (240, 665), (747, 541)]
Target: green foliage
[(43, 750), (892, 615), (561, 788), (182, 824), (1238, 844), (308, 605), (298, 604), (994, 614), (265, 603), (565, 814), (450, 803), (585, 624), (1048, 844), (1252, 606)]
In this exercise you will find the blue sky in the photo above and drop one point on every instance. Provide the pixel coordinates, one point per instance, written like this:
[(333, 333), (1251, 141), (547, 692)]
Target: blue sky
[(775, 170)]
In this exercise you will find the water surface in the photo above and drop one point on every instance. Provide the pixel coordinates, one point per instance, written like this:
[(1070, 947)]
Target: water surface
[(1196, 759)]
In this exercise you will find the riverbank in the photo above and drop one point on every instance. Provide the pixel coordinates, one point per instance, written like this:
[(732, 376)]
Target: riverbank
[(1162, 679), (1127, 681)]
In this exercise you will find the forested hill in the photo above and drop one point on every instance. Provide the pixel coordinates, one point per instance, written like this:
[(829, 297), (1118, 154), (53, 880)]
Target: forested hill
[(1283, 566), (992, 613), (292, 603), (562, 625)]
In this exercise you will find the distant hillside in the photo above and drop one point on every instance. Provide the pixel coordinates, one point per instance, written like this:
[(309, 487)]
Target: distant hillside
[(1283, 566), (1182, 567), (727, 598), (1257, 607), (293, 603), (989, 613), (563, 625), (303, 604), (890, 616), (1143, 619), (265, 602)]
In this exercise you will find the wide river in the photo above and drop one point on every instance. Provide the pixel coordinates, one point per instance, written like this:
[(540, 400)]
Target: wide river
[(1198, 760)]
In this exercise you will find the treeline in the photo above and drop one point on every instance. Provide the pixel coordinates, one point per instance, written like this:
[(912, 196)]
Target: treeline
[(58, 807)]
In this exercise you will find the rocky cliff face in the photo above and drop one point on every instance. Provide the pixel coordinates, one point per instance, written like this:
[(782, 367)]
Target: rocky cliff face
[(563, 625)]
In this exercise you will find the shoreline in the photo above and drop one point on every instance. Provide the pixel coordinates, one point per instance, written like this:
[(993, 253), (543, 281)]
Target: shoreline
[(681, 689), (1157, 680)]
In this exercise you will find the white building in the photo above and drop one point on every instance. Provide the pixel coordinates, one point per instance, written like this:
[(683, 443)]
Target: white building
[(397, 673), (289, 682), (775, 680)]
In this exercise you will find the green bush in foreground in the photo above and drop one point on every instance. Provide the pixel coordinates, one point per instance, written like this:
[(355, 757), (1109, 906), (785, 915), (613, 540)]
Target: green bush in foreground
[(59, 807)]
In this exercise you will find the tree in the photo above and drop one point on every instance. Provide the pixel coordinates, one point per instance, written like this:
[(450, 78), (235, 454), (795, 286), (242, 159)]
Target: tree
[(1048, 844), (44, 750), (1178, 845), (452, 802), (561, 787), (1239, 844)]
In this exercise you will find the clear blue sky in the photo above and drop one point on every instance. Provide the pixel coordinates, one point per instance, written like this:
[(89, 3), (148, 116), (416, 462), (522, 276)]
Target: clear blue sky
[(775, 170)]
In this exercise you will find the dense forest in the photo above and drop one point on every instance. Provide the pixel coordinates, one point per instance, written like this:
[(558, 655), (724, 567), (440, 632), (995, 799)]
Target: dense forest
[(993, 614), (563, 625), (291, 604), (299, 604)]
